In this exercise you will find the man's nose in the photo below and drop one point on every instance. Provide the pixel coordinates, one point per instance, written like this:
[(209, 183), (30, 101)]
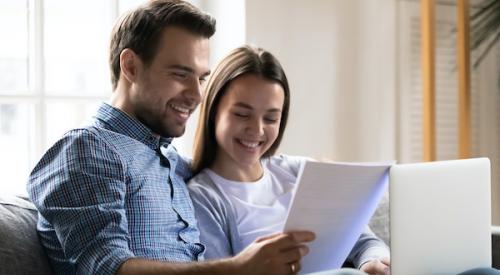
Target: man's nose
[(195, 91)]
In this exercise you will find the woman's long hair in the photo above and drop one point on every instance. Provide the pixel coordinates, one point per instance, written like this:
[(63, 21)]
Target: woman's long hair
[(241, 61)]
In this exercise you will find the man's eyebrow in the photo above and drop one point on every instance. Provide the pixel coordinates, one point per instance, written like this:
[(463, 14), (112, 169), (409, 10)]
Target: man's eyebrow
[(181, 67), (187, 69), (246, 106)]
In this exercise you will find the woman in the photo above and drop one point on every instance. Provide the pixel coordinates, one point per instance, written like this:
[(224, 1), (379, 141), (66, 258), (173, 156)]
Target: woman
[(242, 191)]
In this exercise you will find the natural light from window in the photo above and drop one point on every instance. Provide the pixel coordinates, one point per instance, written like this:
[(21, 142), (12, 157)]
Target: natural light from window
[(53, 75), (54, 72)]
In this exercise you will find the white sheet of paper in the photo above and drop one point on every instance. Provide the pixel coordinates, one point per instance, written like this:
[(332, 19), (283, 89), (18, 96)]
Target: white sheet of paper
[(335, 201)]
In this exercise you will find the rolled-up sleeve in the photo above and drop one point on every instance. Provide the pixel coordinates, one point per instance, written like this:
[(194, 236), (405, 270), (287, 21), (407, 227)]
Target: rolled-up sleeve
[(79, 187), (368, 247)]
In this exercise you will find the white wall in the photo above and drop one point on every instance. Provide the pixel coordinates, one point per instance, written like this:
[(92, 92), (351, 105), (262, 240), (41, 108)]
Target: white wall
[(339, 57), (340, 60)]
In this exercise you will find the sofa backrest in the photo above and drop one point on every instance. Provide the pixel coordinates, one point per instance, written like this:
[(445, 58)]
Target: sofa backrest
[(20, 248), (379, 222), (22, 253)]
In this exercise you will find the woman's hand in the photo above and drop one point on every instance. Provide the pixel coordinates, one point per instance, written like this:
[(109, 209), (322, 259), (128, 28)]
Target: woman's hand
[(377, 267)]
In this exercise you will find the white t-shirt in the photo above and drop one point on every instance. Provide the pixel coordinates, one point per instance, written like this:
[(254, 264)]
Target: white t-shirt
[(260, 207)]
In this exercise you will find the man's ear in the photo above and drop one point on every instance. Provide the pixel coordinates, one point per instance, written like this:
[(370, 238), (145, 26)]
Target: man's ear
[(129, 64)]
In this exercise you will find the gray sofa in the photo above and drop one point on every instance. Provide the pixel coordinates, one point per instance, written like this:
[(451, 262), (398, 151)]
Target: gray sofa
[(21, 252), (20, 249)]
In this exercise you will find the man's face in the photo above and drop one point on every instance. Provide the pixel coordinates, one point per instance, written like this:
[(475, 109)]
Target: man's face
[(166, 92)]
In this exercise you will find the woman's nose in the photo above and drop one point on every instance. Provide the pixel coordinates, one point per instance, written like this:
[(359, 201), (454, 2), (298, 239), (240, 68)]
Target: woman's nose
[(255, 127)]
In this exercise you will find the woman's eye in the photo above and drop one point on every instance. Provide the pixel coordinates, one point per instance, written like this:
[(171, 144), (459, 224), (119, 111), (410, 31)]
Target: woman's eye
[(271, 120), (241, 115)]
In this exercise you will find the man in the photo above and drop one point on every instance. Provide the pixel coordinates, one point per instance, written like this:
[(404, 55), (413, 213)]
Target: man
[(112, 196)]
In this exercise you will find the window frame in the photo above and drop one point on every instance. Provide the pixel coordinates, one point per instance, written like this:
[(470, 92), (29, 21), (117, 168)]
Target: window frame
[(36, 96)]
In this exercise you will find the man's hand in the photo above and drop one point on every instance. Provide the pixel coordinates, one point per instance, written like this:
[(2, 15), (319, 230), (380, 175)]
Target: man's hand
[(275, 254), (377, 267)]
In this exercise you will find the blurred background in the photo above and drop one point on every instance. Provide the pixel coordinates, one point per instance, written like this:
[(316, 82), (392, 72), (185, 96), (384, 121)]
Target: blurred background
[(354, 68)]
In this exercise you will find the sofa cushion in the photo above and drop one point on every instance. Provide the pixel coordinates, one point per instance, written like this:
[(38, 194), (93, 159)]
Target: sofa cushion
[(379, 222), (20, 249)]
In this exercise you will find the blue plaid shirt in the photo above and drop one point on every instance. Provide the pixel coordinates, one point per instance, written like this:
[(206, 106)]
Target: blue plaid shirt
[(110, 192)]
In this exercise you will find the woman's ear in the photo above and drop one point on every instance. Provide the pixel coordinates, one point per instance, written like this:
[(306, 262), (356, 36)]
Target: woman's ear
[(129, 63)]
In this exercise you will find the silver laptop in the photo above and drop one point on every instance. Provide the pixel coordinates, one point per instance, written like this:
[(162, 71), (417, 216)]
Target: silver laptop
[(440, 219)]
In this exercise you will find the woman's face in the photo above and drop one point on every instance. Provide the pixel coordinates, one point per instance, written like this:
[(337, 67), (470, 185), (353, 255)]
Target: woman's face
[(247, 120)]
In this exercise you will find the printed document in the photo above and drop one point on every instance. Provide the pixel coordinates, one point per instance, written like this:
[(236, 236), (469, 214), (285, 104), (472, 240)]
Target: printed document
[(335, 200)]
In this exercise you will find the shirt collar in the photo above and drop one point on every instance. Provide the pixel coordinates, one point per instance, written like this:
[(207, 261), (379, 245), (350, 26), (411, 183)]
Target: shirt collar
[(116, 120)]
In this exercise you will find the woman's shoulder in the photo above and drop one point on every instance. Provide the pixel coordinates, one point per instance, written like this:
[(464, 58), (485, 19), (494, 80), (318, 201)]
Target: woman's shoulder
[(199, 179), (206, 195), (202, 184), (288, 163)]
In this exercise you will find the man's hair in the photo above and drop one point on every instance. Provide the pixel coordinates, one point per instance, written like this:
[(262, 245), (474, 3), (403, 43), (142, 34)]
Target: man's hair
[(140, 29), (241, 61)]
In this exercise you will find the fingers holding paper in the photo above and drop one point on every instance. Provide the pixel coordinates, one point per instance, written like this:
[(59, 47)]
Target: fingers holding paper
[(275, 254)]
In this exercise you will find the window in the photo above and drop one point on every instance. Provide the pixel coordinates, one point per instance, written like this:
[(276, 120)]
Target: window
[(485, 95), (446, 88), (53, 75), (54, 72)]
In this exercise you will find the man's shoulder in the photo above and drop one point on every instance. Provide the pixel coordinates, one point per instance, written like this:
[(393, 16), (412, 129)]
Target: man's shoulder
[(89, 135), (94, 135), (80, 145), (103, 133)]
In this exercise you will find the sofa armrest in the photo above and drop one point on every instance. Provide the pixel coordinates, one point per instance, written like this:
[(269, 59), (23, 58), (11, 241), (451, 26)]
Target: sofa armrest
[(495, 230), (495, 246), (20, 249)]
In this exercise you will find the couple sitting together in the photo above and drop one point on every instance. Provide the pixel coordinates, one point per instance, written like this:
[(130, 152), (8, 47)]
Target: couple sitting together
[(116, 198)]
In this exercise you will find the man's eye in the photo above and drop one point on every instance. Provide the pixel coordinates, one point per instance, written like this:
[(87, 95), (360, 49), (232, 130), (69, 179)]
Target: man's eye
[(180, 75)]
